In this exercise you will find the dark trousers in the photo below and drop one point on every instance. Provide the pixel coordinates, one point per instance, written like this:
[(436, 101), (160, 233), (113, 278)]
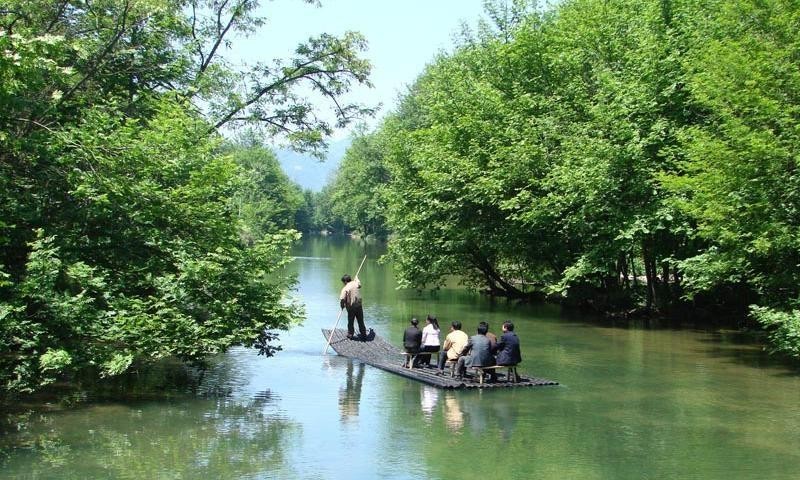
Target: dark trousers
[(411, 351), (442, 359), (356, 312), (426, 359), (461, 368)]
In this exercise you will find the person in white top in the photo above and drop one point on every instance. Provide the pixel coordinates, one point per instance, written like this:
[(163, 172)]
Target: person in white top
[(430, 339)]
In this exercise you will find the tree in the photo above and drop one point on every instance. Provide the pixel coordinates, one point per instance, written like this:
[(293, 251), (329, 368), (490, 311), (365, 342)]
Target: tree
[(324, 217), (270, 200), (139, 267), (121, 212), (356, 188), (304, 216), (739, 181), (530, 157)]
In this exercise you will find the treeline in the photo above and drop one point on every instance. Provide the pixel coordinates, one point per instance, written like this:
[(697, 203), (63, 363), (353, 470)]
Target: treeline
[(130, 230), (352, 201), (627, 155)]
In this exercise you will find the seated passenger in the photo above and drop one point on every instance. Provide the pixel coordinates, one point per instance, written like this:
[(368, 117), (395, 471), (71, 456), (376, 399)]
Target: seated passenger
[(412, 340), (430, 339), (454, 342), (477, 352), (508, 352), (491, 336), (493, 339)]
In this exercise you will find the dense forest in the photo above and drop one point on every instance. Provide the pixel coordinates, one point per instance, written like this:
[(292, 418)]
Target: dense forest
[(631, 156), (131, 229)]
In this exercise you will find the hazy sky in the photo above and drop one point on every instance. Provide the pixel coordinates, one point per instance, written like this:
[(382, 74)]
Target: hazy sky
[(403, 35)]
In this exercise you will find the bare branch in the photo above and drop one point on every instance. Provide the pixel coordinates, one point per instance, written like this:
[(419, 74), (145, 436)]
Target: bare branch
[(100, 59), (326, 92), (194, 34), (35, 122), (221, 32), (300, 71), (57, 16), (219, 18)]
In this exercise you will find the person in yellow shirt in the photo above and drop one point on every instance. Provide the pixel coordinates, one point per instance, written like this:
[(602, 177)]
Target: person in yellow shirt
[(454, 343)]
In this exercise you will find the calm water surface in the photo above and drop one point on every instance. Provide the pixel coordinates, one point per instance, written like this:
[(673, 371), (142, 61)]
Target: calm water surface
[(633, 404)]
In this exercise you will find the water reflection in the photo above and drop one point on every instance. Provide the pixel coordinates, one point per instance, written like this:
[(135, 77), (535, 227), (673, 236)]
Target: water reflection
[(507, 413), (265, 397), (226, 375), (350, 395), (218, 438), (453, 415), (429, 397)]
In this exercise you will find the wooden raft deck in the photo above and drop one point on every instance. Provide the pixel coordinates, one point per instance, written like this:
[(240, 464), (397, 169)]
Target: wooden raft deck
[(381, 354)]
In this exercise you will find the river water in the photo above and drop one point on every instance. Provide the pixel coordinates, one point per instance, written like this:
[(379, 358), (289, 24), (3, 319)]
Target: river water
[(633, 403)]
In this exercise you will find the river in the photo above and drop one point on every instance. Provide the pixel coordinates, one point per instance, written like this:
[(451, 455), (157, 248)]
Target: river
[(633, 403)]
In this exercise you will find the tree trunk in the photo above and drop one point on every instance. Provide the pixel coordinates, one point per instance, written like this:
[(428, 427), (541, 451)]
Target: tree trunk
[(622, 270), (650, 272), (497, 285)]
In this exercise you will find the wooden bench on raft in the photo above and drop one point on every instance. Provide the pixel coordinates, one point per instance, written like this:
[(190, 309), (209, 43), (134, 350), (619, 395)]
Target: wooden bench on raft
[(413, 357), (511, 372), (409, 363)]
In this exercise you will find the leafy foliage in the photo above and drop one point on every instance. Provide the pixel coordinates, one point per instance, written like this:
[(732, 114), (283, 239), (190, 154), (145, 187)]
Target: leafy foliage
[(130, 231), (269, 200), (619, 155), (355, 192)]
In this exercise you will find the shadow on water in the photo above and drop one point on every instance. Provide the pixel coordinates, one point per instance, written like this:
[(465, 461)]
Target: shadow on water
[(748, 349), (743, 346), (168, 379)]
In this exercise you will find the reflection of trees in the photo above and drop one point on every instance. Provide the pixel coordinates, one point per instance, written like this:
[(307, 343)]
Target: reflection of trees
[(227, 373), (218, 438), (350, 396), (506, 413)]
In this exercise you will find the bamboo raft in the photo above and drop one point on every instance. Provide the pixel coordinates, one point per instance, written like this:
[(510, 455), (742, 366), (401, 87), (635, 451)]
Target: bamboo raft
[(379, 353)]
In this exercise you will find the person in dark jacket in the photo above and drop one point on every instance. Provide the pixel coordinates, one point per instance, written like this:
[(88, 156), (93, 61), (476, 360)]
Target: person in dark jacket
[(477, 352), (491, 336), (412, 340), (508, 352)]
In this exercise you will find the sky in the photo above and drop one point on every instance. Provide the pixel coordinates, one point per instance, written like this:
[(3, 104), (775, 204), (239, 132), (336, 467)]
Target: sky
[(403, 36)]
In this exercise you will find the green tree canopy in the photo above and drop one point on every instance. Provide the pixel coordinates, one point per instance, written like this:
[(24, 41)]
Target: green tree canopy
[(355, 192), (130, 231), (622, 154)]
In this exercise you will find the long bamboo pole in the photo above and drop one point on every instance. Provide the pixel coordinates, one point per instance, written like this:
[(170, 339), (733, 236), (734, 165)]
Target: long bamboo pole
[(324, 352)]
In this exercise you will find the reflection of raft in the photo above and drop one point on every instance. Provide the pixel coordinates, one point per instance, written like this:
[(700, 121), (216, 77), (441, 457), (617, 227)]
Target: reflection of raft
[(379, 353)]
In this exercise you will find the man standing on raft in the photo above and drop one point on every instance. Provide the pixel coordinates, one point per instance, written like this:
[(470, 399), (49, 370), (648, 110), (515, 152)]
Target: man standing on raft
[(350, 298)]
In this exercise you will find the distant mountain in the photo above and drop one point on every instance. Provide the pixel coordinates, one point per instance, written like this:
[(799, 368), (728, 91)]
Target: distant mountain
[(309, 172)]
